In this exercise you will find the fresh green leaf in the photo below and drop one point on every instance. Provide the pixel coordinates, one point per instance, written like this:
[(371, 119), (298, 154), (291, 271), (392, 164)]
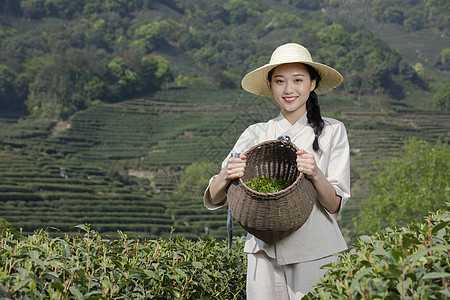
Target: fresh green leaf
[(436, 275)]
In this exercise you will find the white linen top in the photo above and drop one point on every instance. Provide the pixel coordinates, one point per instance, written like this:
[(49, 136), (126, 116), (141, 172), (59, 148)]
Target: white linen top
[(320, 235)]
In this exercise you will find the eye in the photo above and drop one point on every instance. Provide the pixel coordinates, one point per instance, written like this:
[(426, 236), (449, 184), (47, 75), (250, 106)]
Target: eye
[(279, 81), (298, 80)]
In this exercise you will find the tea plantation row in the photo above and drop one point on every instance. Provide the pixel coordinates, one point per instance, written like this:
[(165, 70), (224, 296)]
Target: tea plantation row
[(410, 262), (118, 166)]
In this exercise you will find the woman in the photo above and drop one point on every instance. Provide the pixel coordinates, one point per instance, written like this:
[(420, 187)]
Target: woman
[(289, 268)]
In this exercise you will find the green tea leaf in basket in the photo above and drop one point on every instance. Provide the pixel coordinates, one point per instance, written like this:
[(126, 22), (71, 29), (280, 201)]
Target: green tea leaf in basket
[(266, 184)]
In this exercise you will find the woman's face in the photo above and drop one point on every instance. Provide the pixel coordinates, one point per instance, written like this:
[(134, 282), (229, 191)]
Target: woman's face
[(291, 85)]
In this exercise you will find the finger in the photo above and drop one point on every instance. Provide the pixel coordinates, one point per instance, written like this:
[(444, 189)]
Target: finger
[(306, 171), (236, 168), (238, 163), (236, 159), (234, 174), (301, 152)]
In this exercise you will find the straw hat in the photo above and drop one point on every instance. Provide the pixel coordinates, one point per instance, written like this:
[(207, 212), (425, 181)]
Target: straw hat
[(256, 81)]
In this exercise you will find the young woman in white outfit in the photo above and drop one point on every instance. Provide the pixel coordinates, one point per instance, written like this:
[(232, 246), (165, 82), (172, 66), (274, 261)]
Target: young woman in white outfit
[(289, 268)]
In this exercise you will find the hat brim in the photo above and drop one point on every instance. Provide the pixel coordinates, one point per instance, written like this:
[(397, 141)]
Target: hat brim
[(256, 81)]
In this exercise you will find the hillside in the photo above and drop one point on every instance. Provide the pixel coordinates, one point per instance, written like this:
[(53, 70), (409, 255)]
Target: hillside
[(106, 109), (60, 57), (416, 29), (154, 140)]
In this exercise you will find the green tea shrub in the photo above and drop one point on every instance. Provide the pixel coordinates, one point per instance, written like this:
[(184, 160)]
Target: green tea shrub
[(410, 262), (266, 184), (86, 266)]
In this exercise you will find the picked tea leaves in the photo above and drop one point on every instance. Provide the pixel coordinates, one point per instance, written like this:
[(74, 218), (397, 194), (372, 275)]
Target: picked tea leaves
[(266, 184)]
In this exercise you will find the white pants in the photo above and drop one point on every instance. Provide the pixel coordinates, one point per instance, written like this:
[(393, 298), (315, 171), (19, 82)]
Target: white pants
[(266, 279)]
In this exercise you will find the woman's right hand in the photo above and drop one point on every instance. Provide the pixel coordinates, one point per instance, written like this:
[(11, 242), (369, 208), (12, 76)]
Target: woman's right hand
[(235, 167)]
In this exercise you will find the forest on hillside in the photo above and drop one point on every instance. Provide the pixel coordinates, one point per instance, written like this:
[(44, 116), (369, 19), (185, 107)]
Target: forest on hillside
[(61, 56)]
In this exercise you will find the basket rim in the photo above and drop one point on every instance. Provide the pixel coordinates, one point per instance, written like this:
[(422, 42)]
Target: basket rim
[(286, 190)]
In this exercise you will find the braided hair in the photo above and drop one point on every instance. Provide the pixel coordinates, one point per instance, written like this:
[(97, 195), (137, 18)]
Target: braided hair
[(312, 107)]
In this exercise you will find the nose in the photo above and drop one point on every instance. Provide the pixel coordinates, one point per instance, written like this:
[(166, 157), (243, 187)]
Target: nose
[(288, 88)]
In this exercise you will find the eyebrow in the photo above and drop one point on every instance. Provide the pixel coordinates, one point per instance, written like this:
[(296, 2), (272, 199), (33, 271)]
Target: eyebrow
[(296, 74)]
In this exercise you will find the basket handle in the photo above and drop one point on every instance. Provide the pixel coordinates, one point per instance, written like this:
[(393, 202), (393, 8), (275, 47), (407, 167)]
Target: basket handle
[(285, 138), (236, 155), (229, 215)]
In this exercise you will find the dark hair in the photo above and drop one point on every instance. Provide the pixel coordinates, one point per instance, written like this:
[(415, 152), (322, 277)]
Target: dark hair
[(312, 106)]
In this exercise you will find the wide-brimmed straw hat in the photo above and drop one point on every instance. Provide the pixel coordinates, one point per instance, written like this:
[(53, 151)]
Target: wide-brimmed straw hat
[(256, 82)]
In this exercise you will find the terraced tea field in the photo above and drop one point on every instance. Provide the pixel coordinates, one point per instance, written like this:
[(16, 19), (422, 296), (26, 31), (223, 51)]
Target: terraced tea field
[(119, 166)]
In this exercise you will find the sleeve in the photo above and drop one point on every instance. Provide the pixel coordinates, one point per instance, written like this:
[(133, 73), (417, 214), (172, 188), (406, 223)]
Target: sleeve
[(207, 199), (338, 171), (244, 142)]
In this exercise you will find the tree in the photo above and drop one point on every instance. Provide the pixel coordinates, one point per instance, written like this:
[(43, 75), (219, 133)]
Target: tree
[(445, 59), (409, 186), (134, 74), (194, 179), (414, 20), (63, 8), (10, 7), (240, 11), (125, 79), (205, 56), (306, 4), (30, 68), (163, 72), (149, 35), (32, 9), (68, 84), (392, 14), (155, 72), (119, 6), (334, 34), (442, 97), (9, 99), (6, 85)]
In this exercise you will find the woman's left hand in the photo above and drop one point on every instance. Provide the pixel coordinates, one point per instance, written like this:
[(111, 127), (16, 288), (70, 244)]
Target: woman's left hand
[(307, 164), (325, 191)]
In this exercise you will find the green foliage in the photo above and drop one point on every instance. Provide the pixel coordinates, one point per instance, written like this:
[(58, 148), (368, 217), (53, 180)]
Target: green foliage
[(444, 61), (64, 87), (195, 178), (240, 11), (84, 265), (413, 15), (212, 41), (407, 187), (149, 34), (69, 84), (6, 86), (368, 63), (410, 262), (125, 164), (4, 224), (305, 4), (126, 161), (442, 97), (266, 184)]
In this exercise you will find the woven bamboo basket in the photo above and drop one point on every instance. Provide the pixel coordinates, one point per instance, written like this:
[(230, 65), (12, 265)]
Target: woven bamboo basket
[(272, 216)]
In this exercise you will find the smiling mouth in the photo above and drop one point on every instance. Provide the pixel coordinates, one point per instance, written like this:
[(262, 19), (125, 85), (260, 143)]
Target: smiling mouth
[(289, 99)]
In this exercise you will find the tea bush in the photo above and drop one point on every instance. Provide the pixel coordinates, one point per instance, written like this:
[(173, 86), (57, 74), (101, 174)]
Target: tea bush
[(86, 266), (410, 262)]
